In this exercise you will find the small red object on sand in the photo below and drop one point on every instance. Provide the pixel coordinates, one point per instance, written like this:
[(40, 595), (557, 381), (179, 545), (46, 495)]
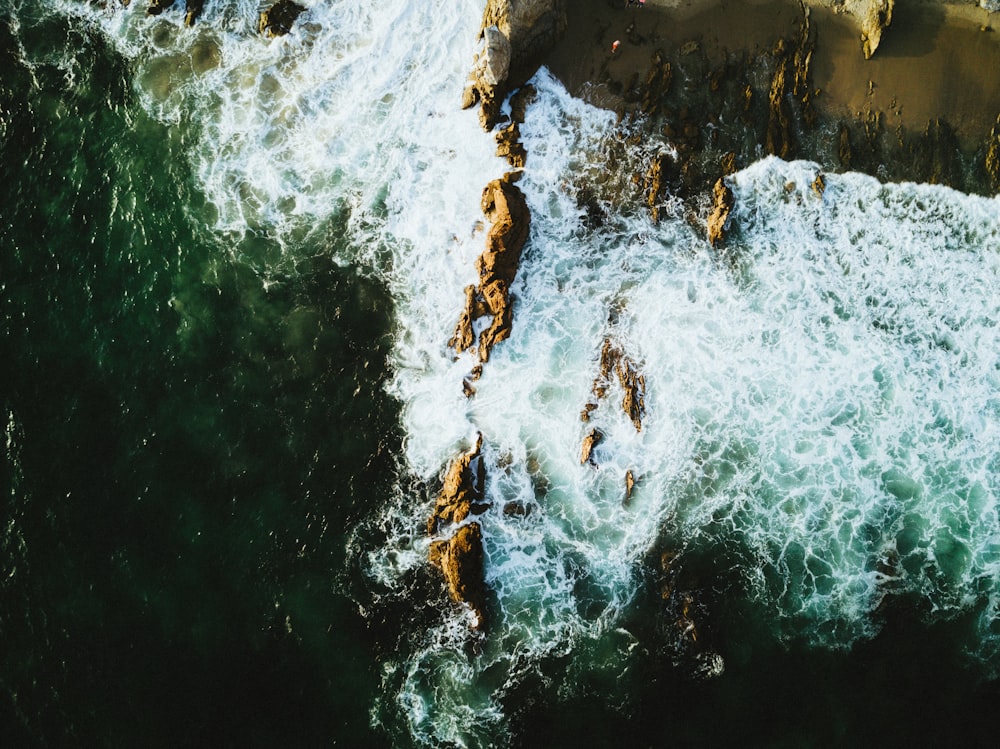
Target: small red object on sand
[(614, 46)]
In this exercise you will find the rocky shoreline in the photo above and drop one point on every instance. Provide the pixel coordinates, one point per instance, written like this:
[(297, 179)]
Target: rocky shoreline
[(730, 83)]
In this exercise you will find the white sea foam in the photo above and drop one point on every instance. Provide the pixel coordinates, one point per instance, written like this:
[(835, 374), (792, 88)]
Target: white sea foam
[(821, 394)]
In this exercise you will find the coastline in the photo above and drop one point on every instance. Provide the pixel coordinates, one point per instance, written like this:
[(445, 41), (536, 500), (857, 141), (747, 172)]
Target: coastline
[(928, 67)]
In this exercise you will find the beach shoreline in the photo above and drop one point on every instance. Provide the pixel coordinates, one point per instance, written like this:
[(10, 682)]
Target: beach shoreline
[(928, 66)]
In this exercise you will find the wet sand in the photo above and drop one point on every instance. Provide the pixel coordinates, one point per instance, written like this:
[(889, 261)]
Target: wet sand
[(934, 61)]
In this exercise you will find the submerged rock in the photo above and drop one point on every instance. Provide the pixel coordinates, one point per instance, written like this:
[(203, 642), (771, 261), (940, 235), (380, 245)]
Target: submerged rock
[(192, 9), (723, 201), (279, 19), (156, 7)]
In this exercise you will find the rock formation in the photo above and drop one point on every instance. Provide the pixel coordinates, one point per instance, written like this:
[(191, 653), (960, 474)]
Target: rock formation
[(592, 440), (514, 35), (278, 20), (993, 156), (192, 9), (723, 201), (462, 491), (873, 24), (505, 208), (461, 561), (460, 555), (790, 85), (614, 361)]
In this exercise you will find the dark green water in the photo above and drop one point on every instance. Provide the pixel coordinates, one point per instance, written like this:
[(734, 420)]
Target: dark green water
[(185, 450), (196, 432)]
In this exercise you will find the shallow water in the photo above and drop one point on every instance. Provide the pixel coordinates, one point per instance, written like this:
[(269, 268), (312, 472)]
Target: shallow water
[(230, 270)]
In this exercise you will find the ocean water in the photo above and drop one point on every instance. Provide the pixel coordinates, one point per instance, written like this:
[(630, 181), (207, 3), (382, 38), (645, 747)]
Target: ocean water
[(229, 268)]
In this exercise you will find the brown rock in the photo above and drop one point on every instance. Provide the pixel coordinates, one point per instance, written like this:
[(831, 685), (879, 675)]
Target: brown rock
[(192, 11), (993, 156), (614, 361), (629, 486), (464, 337), (874, 23), (723, 204), (278, 20), (819, 184), (461, 560), (507, 211), (592, 440), (463, 488), (515, 35), (509, 146)]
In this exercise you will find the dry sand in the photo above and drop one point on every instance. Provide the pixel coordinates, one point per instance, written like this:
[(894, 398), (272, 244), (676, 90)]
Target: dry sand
[(935, 60)]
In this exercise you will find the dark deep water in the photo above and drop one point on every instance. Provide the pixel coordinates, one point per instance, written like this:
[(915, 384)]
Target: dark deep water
[(184, 451), (195, 429)]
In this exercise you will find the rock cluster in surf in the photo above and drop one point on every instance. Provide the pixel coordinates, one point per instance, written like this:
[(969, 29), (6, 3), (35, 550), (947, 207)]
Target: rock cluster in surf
[(458, 549), (514, 36)]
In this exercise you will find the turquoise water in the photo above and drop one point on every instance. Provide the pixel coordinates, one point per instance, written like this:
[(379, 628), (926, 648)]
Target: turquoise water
[(228, 270)]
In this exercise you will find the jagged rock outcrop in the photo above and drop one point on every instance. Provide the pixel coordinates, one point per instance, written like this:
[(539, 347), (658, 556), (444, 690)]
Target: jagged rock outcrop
[(723, 201), (993, 156), (790, 84), (873, 23), (614, 361), (279, 18), (592, 440), (461, 561), (460, 555), (192, 9), (462, 491), (514, 35), (507, 211), (663, 169)]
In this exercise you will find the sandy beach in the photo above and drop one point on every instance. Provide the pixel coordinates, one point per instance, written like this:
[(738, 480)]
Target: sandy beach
[(929, 64)]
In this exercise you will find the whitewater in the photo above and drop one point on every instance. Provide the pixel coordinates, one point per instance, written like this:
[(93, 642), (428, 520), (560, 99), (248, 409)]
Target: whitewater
[(822, 391)]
